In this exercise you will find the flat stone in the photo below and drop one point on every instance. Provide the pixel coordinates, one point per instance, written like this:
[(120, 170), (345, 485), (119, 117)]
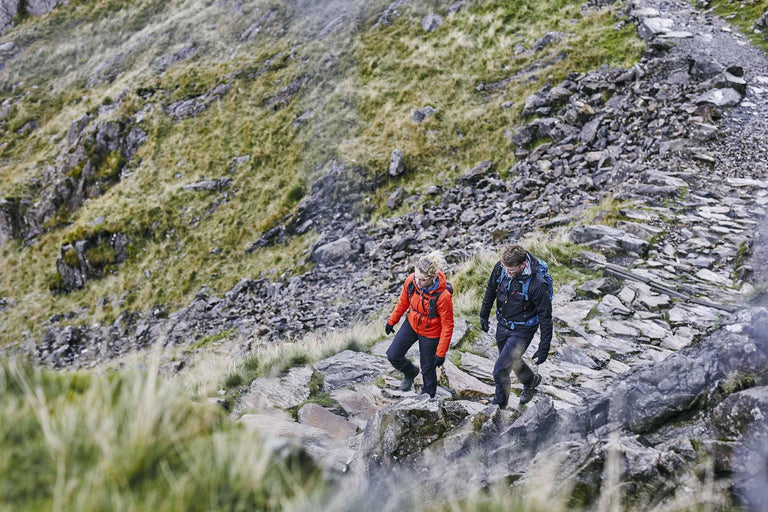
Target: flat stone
[(713, 277), (268, 392), (720, 97), (317, 416), (350, 367), (361, 403), (612, 305), (574, 313), (617, 328), (477, 366), (465, 385)]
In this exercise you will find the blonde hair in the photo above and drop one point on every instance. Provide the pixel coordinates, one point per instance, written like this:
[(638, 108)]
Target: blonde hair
[(430, 264)]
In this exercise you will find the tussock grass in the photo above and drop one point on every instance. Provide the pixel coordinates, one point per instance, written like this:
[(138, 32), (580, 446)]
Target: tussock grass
[(132, 442)]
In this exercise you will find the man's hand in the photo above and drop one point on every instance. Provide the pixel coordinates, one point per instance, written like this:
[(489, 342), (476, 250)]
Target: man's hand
[(389, 329), (540, 357), (485, 325), (439, 361)]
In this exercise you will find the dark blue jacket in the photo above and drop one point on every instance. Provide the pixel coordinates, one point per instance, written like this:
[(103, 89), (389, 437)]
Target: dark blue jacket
[(512, 307)]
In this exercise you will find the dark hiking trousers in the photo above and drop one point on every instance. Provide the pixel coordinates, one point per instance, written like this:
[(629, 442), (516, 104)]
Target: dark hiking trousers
[(512, 345), (404, 339)]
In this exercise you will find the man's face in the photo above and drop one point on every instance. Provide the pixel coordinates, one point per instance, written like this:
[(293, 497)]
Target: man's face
[(423, 281), (515, 270)]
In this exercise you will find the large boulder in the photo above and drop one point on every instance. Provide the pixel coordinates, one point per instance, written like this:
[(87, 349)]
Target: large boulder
[(651, 395), (403, 429)]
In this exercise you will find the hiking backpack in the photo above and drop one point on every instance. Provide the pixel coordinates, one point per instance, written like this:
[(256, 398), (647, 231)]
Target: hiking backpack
[(432, 308), (543, 271)]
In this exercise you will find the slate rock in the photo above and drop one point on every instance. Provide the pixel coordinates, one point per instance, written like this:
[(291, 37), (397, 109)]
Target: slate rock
[(396, 163), (349, 367), (431, 22)]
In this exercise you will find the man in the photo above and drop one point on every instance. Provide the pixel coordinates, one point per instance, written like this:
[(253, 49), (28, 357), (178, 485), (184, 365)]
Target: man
[(426, 301), (522, 303)]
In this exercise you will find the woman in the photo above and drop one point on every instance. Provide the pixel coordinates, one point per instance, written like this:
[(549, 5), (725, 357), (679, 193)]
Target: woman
[(427, 297)]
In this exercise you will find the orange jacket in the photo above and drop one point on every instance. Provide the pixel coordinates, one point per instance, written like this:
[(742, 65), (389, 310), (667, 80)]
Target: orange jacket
[(418, 312)]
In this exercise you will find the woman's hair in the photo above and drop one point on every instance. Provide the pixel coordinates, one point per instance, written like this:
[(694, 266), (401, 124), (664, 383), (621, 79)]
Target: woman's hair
[(430, 264)]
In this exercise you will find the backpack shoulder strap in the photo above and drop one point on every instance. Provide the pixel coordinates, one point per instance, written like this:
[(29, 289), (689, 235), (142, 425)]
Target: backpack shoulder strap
[(411, 288)]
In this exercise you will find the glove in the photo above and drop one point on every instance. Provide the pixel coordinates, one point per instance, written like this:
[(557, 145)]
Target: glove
[(540, 357), (485, 325), (389, 329), (439, 361)]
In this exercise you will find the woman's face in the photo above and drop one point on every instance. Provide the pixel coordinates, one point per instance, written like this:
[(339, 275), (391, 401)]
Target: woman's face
[(421, 280)]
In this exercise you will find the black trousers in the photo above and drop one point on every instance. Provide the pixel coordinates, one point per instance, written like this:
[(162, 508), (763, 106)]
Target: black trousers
[(404, 339), (512, 345)]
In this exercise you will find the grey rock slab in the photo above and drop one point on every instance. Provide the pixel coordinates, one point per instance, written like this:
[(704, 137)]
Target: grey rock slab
[(651, 27), (317, 416), (332, 252), (562, 395), (402, 429), (650, 395), (574, 313), (676, 34), (465, 385), (324, 449), (349, 367), (627, 295), (477, 366), (700, 317), (617, 367), (460, 329), (286, 391), (714, 277), (361, 403), (577, 356), (612, 305), (614, 346), (620, 328), (720, 97)]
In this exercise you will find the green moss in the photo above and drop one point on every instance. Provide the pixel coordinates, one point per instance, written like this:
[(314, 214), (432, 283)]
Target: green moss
[(213, 338), (70, 258)]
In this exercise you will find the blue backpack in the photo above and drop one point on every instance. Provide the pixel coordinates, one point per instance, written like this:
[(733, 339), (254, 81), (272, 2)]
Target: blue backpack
[(543, 272)]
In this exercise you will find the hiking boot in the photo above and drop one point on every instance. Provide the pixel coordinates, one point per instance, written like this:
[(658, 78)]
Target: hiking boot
[(529, 390), (407, 383)]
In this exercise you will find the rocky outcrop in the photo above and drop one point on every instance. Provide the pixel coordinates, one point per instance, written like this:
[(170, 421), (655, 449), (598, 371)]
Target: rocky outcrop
[(9, 9), (92, 157), (83, 260), (193, 107)]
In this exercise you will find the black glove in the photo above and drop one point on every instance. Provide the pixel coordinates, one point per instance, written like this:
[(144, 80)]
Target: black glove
[(439, 361), (389, 329), (485, 325), (539, 357)]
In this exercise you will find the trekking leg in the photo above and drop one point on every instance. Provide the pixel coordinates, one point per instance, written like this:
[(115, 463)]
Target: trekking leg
[(502, 368), (427, 347), (404, 339)]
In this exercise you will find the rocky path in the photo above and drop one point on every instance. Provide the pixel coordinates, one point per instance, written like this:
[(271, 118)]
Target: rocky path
[(637, 368), (637, 359), (680, 138)]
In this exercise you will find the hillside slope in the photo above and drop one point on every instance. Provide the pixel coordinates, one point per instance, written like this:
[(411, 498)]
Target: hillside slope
[(148, 145)]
